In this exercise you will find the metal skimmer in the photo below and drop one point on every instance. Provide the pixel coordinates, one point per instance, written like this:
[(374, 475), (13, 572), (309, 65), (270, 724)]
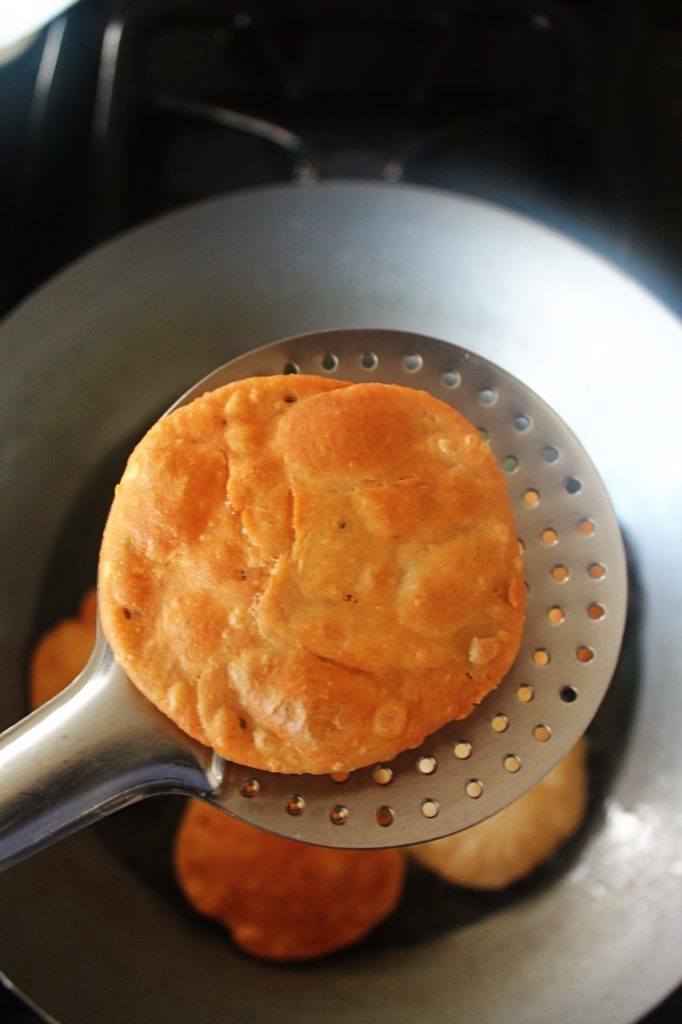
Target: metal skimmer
[(100, 745)]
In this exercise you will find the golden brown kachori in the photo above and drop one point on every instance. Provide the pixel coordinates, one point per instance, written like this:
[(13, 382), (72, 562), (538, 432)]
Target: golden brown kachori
[(509, 845), (309, 575), (280, 899), (62, 653)]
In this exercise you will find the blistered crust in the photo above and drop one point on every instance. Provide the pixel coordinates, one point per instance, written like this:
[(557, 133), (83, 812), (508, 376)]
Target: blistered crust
[(280, 899), (309, 575)]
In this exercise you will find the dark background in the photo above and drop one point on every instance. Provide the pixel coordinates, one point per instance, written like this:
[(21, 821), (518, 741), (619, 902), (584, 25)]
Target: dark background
[(568, 111)]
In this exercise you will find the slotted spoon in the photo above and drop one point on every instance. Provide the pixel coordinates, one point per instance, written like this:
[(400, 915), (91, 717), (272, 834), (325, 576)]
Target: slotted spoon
[(101, 745)]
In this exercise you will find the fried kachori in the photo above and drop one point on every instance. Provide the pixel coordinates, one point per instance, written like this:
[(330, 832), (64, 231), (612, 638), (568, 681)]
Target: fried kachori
[(511, 844), (309, 575), (62, 653), (281, 899)]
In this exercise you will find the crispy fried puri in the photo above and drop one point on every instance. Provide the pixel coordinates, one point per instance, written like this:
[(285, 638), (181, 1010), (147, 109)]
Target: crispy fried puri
[(280, 899), (507, 847), (62, 653), (309, 575)]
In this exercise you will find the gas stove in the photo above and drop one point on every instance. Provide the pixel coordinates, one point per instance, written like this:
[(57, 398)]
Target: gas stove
[(570, 112)]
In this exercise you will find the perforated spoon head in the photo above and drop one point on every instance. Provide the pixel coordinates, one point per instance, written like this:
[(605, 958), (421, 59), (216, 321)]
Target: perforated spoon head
[(575, 570)]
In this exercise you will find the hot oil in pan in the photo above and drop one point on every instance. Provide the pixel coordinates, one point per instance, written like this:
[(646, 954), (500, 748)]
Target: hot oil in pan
[(141, 836)]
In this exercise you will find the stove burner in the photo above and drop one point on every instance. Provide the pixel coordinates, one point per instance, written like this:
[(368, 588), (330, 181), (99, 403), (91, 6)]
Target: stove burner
[(499, 102), (554, 108)]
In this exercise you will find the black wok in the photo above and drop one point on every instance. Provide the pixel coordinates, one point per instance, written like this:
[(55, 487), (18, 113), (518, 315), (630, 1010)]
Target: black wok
[(93, 929)]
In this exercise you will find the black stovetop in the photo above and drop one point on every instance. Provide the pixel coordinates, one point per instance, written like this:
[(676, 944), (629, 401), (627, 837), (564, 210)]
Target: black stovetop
[(569, 110)]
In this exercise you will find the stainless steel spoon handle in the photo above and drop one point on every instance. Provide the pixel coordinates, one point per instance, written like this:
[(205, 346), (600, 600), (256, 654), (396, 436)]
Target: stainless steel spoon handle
[(93, 749)]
